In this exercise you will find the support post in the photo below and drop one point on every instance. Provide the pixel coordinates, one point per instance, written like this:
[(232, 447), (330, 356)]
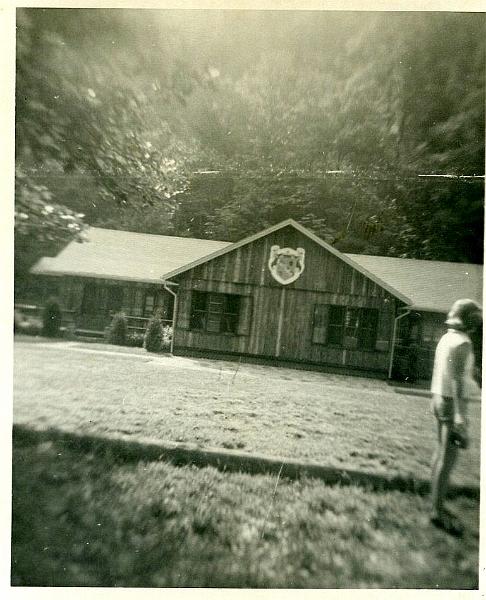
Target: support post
[(395, 328), (174, 312)]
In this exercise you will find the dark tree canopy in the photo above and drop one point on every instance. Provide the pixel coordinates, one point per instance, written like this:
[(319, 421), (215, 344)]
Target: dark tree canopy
[(327, 117)]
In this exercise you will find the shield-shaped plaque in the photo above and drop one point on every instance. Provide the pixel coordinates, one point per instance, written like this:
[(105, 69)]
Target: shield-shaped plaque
[(286, 264)]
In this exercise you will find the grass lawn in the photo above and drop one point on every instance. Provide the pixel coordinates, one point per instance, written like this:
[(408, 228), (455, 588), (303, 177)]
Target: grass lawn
[(347, 422), (86, 519)]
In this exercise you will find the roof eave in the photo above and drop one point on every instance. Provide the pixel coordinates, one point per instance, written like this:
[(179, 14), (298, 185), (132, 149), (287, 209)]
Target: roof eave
[(430, 309), (156, 280)]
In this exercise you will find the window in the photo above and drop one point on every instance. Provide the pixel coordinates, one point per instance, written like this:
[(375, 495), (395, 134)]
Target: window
[(148, 309), (366, 328), (410, 330), (90, 301), (153, 303), (215, 313), (335, 328), (198, 310), (115, 299), (432, 330), (353, 328)]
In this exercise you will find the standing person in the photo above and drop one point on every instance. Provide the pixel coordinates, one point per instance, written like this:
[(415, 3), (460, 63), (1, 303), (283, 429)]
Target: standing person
[(452, 386)]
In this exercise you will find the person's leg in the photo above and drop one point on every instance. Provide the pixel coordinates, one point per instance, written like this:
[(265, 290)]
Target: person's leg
[(437, 450), (445, 459)]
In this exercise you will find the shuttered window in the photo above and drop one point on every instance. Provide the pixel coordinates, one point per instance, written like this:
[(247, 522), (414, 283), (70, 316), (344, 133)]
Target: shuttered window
[(343, 326), (216, 313), (366, 328), (148, 309), (321, 316), (152, 303), (335, 328)]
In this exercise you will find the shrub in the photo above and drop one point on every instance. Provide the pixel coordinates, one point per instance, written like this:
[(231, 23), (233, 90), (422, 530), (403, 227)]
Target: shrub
[(166, 338), (153, 335), (51, 318), (19, 321), (27, 325), (118, 330), (135, 340)]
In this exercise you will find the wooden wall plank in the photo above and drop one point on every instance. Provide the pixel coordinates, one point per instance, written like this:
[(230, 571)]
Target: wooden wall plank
[(325, 280)]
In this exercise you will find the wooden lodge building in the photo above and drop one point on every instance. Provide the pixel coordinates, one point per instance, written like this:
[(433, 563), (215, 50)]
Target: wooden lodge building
[(282, 294)]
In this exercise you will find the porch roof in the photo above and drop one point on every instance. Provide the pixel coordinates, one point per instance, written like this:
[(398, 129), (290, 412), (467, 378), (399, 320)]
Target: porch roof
[(431, 285), (124, 255)]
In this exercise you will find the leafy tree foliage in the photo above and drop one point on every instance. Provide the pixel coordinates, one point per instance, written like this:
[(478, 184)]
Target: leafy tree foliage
[(95, 100), (329, 118), (81, 100), (338, 137), (42, 227)]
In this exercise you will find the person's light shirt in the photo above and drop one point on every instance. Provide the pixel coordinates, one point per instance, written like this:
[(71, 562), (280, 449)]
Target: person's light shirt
[(443, 373)]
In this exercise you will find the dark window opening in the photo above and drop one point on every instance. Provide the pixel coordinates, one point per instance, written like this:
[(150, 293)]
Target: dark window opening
[(352, 327), (215, 313), (90, 301), (335, 328), (115, 299), (152, 303)]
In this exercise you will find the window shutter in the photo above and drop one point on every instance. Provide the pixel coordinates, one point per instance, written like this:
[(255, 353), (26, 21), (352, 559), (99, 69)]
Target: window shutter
[(183, 309), (244, 321), (213, 324), (321, 320)]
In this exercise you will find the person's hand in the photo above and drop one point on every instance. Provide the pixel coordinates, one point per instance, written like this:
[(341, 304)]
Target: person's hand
[(459, 420), (459, 436)]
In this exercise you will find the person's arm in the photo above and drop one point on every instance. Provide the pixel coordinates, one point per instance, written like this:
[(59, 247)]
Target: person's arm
[(459, 358)]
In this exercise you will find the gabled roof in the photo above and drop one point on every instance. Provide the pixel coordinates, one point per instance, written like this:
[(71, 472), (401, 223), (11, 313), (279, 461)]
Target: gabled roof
[(124, 255), (431, 285), (304, 231)]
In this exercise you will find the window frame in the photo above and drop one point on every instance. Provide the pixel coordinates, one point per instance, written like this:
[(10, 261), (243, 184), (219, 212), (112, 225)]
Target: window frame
[(214, 313), (152, 303), (336, 322), (360, 323)]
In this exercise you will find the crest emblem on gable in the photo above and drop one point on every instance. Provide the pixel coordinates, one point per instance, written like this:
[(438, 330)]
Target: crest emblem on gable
[(286, 264)]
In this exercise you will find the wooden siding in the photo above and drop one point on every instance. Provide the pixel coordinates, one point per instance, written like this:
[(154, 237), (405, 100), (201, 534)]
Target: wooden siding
[(283, 316), (296, 342), (414, 356), (71, 293), (323, 271)]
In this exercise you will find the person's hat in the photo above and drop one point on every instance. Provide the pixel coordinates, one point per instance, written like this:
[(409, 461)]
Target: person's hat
[(464, 314)]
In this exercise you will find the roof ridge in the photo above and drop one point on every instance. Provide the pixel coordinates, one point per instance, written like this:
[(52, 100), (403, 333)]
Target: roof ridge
[(157, 235), (421, 260)]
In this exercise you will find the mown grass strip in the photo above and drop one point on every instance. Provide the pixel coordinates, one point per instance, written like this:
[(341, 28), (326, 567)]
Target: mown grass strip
[(128, 449), (304, 416), (92, 519)]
